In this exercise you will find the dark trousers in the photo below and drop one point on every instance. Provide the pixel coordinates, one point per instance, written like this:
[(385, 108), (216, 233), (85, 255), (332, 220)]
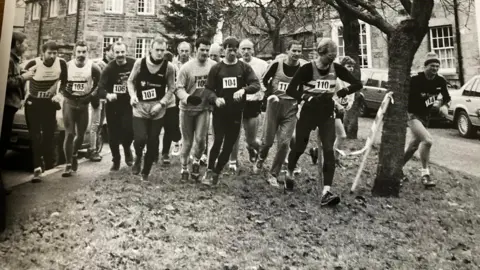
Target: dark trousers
[(42, 123), (120, 128), (172, 129), (326, 136), (146, 132), (226, 127), (7, 124)]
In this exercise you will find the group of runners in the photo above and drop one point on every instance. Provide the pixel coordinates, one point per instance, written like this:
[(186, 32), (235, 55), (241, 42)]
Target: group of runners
[(187, 95)]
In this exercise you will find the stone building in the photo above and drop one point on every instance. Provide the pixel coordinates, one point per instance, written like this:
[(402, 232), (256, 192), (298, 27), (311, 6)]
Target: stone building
[(98, 22)]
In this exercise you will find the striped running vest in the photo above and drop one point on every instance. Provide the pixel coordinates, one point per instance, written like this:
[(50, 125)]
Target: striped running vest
[(44, 78)]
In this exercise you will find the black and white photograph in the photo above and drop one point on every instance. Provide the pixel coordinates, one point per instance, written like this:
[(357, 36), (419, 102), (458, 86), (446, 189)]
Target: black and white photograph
[(240, 134)]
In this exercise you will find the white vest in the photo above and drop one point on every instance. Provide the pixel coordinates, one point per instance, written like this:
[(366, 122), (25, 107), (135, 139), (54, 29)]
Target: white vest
[(79, 81)]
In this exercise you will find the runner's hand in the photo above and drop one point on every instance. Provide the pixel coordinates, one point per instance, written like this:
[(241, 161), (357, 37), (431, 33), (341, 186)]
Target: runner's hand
[(156, 109), (133, 100), (111, 97), (308, 97), (443, 110), (237, 96), (57, 98), (342, 92), (220, 102), (273, 98), (194, 100), (28, 74)]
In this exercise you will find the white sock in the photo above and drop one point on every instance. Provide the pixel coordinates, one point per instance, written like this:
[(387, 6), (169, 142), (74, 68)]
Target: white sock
[(425, 171), (325, 190)]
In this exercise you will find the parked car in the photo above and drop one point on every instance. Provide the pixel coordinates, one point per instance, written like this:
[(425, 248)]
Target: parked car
[(375, 87), (464, 111), (20, 138)]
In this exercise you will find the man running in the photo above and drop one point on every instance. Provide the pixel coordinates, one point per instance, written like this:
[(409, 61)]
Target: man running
[(147, 85), (229, 82), (83, 76), (42, 102), (15, 89), (342, 106), (194, 107), (97, 110), (281, 112), (319, 80), (113, 87), (424, 90), (253, 106)]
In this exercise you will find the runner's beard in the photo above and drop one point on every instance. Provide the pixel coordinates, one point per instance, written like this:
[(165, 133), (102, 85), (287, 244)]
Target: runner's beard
[(49, 61), (81, 59)]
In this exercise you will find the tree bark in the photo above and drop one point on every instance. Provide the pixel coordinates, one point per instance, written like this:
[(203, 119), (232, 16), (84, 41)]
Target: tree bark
[(351, 39), (276, 42), (403, 42)]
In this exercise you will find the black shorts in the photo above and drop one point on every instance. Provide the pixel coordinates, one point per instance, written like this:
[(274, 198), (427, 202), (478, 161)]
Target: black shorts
[(252, 109)]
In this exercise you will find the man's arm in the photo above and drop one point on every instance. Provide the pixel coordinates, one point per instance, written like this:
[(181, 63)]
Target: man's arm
[(133, 77), (170, 84), (271, 70), (253, 83), (63, 77), (182, 82), (14, 81), (95, 78), (29, 65), (445, 94), (303, 75), (103, 83), (345, 75), (211, 85)]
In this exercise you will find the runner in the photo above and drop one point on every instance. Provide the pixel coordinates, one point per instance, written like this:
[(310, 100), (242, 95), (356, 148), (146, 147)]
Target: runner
[(15, 89), (42, 102), (215, 52), (147, 84), (343, 105), (281, 112), (194, 107), (97, 111), (319, 80), (424, 90), (252, 107), (229, 80), (83, 76), (113, 87)]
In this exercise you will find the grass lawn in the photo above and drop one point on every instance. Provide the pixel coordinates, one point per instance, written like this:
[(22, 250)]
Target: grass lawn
[(119, 222)]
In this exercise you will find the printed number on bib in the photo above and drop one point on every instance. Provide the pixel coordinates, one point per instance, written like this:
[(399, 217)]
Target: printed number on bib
[(79, 87), (282, 86), (322, 85), (43, 94), (430, 101), (200, 84), (149, 94), (119, 89), (230, 82)]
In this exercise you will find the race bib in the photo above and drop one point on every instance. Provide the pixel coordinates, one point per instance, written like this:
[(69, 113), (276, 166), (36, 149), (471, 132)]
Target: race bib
[(323, 85), (282, 86), (43, 94), (119, 89), (149, 94), (200, 82), (229, 82), (430, 101), (79, 87)]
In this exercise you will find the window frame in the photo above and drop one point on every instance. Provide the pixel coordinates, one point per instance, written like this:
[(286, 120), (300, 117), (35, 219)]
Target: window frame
[(443, 69), (72, 9), (36, 11), (335, 24), (53, 13), (145, 46), (114, 10), (112, 39), (152, 7)]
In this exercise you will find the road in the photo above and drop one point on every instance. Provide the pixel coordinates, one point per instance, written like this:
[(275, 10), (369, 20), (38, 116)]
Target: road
[(449, 149)]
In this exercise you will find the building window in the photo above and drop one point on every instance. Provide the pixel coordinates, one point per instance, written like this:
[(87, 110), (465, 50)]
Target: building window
[(109, 40), (441, 42), (53, 8), (35, 11), (365, 44), (72, 6), (146, 7), (114, 6), (142, 47)]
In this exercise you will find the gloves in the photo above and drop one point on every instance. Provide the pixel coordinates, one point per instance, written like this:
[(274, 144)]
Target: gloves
[(308, 97), (57, 105), (95, 101), (342, 92), (194, 100)]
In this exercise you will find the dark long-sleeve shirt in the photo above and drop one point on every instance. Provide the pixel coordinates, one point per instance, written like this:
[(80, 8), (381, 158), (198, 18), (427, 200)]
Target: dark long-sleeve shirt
[(116, 76), (424, 92), (15, 83), (305, 74)]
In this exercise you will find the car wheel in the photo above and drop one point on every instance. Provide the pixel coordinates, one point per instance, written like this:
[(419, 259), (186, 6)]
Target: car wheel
[(464, 125), (362, 109)]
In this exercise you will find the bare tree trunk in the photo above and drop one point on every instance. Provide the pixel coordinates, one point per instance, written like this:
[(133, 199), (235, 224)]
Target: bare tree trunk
[(402, 46), (276, 43), (351, 38)]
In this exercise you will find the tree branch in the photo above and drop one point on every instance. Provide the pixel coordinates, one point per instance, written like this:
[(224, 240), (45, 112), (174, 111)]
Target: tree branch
[(407, 5)]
